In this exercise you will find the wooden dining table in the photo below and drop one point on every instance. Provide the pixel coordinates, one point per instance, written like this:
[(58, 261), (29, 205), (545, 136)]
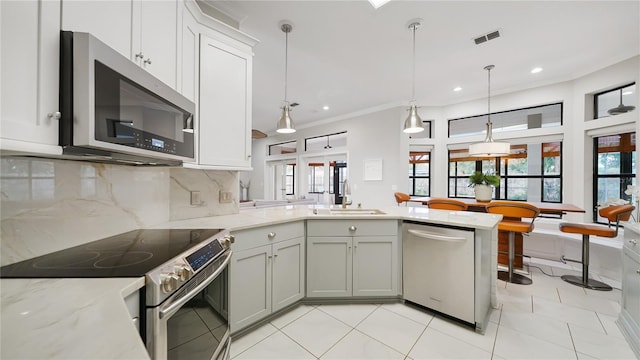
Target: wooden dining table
[(545, 208)]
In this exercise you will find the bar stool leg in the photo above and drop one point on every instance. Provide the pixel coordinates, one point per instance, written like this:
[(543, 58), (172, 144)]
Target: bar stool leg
[(510, 276), (584, 281)]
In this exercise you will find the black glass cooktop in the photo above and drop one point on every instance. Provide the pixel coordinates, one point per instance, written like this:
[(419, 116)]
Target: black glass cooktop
[(129, 254)]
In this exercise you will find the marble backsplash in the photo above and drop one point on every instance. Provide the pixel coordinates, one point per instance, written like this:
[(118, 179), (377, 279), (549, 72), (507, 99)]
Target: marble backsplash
[(48, 205)]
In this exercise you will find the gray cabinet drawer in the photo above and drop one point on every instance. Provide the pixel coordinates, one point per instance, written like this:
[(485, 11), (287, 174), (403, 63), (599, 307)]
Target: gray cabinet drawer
[(250, 238), (352, 227)]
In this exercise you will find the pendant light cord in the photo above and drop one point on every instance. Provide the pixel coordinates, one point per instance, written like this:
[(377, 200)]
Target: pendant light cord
[(413, 71), (286, 57), (489, 137)]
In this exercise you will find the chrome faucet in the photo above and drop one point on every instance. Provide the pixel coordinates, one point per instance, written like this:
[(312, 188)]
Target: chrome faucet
[(346, 194)]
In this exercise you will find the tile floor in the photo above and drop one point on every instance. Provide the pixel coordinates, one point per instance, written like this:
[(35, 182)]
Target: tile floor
[(549, 319)]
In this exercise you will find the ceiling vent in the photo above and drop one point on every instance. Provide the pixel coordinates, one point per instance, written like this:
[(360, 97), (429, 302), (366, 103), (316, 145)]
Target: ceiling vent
[(486, 37)]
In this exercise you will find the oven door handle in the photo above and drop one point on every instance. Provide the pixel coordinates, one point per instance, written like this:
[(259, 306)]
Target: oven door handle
[(174, 306)]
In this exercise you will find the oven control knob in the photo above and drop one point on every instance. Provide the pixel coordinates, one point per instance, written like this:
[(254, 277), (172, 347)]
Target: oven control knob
[(169, 282), (182, 271), (228, 240)]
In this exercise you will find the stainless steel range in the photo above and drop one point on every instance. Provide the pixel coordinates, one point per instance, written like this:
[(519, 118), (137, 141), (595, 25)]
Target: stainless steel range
[(183, 307)]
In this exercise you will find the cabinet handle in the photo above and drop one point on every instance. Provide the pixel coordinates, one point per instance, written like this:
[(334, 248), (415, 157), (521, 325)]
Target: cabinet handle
[(271, 235), (54, 115), (147, 61), (638, 271), (352, 228), (633, 241), (139, 55)]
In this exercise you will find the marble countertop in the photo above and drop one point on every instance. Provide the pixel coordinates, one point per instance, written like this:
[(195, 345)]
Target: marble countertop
[(69, 319), (248, 218), (87, 318)]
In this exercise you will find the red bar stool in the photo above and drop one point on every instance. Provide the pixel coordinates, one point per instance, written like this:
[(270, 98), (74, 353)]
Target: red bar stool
[(512, 213), (612, 214), (446, 204)]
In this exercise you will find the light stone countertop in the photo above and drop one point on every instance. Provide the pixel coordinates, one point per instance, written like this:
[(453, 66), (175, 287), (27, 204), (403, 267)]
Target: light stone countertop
[(88, 319), (69, 319)]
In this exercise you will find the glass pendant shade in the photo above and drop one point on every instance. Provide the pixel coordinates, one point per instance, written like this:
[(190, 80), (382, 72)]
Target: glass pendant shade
[(285, 124), (413, 123)]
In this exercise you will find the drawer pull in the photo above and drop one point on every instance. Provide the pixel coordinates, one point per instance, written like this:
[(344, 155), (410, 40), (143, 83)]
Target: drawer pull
[(431, 236), (633, 241), (638, 271), (352, 228), (271, 235)]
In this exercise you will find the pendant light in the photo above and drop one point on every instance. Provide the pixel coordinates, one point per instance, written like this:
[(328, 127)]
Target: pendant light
[(413, 123), (489, 147), (285, 124), (620, 109)]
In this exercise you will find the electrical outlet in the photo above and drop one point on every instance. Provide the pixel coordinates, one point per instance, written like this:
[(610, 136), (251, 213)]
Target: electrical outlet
[(195, 198), (226, 197)]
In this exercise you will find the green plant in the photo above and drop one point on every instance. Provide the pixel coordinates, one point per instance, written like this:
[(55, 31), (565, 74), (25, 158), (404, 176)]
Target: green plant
[(479, 178)]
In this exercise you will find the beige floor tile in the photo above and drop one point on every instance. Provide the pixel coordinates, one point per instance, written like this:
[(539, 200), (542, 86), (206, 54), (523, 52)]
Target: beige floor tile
[(276, 346), (600, 345), (391, 329), (241, 344), (434, 344), (512, 344), (316, 331), (350, 314), (357, 345)]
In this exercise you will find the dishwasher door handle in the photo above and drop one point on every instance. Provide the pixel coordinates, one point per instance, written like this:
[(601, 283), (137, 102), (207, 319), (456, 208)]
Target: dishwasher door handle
[(432, 236)]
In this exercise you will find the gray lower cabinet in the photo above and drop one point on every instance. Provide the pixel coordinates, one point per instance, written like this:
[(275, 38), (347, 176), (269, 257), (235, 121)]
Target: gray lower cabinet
[(348, 258), (629, 320), (266, 272)]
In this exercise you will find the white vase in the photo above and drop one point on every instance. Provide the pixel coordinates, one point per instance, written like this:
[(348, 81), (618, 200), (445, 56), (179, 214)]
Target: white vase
[(483, 192)]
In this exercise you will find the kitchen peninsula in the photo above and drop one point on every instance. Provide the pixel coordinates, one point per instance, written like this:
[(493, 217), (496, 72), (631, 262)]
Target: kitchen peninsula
[(24, 326)]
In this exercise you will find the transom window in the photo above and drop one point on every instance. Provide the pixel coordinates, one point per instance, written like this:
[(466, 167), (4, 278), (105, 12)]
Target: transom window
[(520, 119), (612, 100), (288, 147)]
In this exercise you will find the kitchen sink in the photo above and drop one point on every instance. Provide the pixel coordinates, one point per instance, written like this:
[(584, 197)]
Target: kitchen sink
[(348, 212)]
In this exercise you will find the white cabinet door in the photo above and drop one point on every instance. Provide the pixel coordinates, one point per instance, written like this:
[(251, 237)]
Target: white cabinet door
[(631, 286), (329, 267), (375, 268), (249, 286), (225, 106), (154, 38), (288, 273), (188, 56), (30, 47), (109, 21)]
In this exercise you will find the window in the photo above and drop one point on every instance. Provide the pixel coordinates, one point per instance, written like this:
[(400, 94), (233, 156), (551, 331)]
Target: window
[(520, 119), (533, 172), (288, 147), (426, 134), (289, 179), (325, 142), (316, 178), (615, 166), (419, 172), (605, 101)]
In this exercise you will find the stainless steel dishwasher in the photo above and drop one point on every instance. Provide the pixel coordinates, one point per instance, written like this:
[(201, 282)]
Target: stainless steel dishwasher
[(438, 269)]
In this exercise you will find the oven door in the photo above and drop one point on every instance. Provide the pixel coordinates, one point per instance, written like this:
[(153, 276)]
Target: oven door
[(193, 323)]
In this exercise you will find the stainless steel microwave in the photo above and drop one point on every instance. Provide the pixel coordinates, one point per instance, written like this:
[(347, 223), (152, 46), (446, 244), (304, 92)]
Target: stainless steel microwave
[(112, 110)]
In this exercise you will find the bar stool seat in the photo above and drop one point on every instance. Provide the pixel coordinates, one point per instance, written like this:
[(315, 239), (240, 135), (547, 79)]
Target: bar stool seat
[(446, 204), (401, 198), (612, 214), (512, 213)]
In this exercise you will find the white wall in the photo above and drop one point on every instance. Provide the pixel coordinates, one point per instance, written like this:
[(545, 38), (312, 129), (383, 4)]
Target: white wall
[(378, 135)]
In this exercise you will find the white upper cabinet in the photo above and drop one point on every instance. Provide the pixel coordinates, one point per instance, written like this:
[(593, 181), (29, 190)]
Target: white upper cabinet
[(154, 38), (224, 122), (144, 31), (30, 42), (188, 55), (109, 21)]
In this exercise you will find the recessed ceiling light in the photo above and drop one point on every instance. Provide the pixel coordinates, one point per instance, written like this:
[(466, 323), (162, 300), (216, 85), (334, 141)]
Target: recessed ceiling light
[(457, 88), (536, 70), (377, 3), (326, 107)]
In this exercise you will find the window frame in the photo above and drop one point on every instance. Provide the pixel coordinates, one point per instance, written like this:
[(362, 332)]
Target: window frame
[(597, 95), (413, 176)]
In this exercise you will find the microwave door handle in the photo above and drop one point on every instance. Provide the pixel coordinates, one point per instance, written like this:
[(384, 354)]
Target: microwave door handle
[(175, 306)]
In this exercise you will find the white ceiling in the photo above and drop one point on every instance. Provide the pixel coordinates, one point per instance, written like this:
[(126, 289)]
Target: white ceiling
[(349, 56)]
